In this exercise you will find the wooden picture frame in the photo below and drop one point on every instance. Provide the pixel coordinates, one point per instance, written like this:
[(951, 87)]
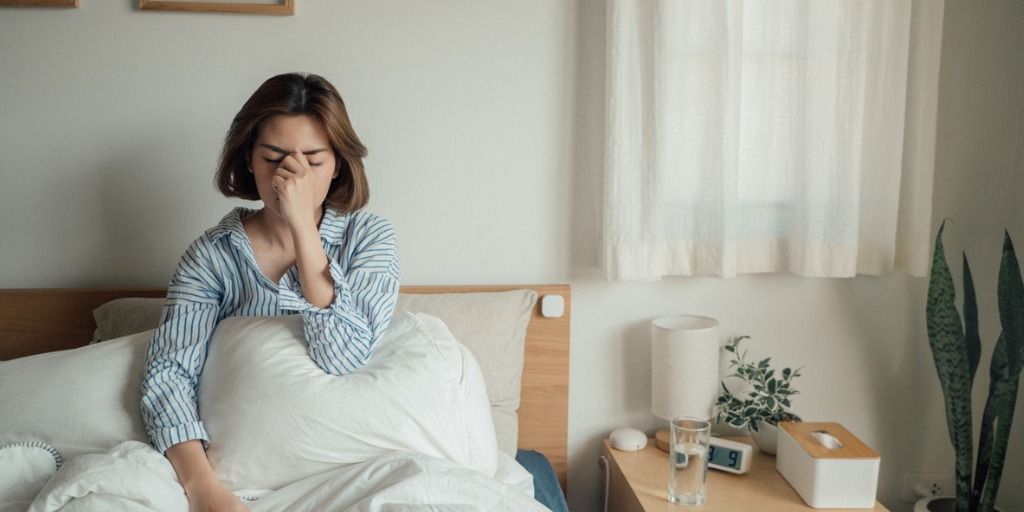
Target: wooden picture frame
[(39, 3), (279, 8)]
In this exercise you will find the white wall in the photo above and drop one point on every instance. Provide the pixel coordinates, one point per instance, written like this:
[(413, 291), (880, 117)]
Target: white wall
[(112, 120), (484, 124)]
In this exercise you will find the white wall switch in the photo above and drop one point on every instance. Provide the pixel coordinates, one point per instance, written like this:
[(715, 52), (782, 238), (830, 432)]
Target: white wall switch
[(552, 306)]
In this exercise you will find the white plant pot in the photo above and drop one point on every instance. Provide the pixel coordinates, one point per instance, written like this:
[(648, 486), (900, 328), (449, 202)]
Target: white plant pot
[(938, 504), (766, 437)]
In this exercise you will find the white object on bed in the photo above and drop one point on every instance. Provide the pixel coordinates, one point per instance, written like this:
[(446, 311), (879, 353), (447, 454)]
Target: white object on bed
[(491, 324), (514, 474), (24, 470), (399, 482), (274, 417), (126, 315), (130, 477), (134, 477), (84, 400)]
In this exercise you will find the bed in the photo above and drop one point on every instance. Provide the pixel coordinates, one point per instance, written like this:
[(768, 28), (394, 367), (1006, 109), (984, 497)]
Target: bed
[(38, 321)]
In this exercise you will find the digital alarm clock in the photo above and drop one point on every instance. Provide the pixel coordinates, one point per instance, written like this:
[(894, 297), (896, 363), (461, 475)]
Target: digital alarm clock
[(730, 456)]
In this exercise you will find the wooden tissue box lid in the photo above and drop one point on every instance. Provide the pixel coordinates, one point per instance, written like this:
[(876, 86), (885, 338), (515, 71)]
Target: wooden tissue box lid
[(852, 447)]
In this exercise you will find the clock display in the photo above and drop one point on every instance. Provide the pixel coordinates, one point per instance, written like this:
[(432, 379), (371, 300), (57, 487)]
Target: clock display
[(724, 457)]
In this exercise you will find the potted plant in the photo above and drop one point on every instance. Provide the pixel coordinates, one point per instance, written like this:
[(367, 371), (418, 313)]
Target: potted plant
[(956, 349), (762, 408)]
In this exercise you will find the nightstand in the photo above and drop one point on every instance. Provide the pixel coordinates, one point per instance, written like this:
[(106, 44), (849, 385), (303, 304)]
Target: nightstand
[(638, 482)]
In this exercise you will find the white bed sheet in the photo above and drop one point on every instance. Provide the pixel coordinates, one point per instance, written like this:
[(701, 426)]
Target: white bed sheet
[(133, 477)]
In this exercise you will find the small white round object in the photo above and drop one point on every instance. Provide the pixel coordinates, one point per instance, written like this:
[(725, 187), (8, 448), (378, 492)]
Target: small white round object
[(627, 439)]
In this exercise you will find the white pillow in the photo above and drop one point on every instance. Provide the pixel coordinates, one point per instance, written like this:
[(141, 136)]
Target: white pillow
[(274, 417), (127, 315), (491, 324), (83, 400)]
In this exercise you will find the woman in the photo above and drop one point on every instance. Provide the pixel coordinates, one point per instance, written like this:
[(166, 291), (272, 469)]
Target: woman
[(310, 250)]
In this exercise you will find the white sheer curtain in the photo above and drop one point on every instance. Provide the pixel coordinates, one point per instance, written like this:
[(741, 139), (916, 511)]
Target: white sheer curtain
[(763, 136)]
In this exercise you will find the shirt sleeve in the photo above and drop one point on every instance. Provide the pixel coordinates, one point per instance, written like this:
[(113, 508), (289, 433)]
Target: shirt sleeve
[(177, 351), (341, 337)]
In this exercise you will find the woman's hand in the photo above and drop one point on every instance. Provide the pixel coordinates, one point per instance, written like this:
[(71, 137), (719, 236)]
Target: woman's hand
[(298, 202), (209, 495), (296, 191)]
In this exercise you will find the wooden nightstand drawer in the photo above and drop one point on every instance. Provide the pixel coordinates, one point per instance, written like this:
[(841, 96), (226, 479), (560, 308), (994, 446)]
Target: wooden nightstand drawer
[(639, 483)]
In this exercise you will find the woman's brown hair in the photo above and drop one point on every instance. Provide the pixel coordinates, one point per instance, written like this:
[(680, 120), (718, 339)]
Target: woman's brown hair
[(295, 94)]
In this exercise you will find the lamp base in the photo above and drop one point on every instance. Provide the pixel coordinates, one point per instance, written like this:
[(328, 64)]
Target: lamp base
[(661, 440)]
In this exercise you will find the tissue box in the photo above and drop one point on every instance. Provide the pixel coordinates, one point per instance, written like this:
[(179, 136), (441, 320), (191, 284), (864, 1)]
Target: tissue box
[(827, 465)]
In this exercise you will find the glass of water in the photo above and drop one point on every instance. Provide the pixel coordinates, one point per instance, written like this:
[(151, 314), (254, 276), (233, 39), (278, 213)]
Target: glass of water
[(688, 460)]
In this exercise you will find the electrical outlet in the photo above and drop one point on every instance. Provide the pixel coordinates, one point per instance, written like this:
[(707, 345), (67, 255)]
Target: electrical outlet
[(923, 485)]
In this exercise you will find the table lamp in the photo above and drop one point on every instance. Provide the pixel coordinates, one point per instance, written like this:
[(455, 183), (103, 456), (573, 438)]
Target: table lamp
[(684, 369)]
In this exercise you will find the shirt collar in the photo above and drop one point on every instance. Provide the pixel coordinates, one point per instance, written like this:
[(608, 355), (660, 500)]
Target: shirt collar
[(332, 225)]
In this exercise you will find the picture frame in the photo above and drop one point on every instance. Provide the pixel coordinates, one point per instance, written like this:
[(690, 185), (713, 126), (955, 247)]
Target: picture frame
[(276, 8), (73, 4)]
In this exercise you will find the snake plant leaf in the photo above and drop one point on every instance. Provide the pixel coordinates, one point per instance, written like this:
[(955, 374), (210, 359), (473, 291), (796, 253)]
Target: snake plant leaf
[(1006, 397), (1011, 306), (946, 337), (1006, 368), (993, 443), (972, 339), (997, 368)]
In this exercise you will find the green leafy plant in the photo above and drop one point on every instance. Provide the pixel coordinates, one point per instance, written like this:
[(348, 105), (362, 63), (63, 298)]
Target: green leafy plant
[(956, 348), (768, 399)]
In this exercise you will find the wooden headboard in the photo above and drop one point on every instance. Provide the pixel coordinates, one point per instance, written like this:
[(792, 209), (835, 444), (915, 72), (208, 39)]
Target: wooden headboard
[(34, 321)]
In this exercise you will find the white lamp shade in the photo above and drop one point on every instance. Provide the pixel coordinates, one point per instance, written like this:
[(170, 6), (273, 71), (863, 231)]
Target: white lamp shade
[(684, 366)]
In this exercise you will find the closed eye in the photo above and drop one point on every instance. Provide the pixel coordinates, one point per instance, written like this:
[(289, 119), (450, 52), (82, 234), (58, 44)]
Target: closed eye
[(314, 164)]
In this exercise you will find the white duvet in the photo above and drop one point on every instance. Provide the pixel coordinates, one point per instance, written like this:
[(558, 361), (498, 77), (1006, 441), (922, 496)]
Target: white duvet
[(133, 477), (411, 430)]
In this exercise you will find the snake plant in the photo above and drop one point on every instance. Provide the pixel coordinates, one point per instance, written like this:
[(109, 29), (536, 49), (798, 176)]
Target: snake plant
[(956, 348)]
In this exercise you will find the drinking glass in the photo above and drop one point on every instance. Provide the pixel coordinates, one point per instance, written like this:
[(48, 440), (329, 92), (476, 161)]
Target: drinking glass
[(688, 460)]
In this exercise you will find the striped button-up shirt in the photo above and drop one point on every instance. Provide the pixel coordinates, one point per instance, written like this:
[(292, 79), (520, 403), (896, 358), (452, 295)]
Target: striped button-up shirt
[(218, 277)]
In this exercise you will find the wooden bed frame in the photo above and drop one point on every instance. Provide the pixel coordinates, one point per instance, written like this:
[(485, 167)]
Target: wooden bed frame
[(34, 321)]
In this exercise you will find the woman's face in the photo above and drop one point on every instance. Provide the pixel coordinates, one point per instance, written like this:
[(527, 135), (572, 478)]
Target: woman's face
[(284, 135)]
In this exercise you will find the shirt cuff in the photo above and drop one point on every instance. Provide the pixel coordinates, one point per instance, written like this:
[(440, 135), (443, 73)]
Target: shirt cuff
[(166, 437), (291, 298)]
